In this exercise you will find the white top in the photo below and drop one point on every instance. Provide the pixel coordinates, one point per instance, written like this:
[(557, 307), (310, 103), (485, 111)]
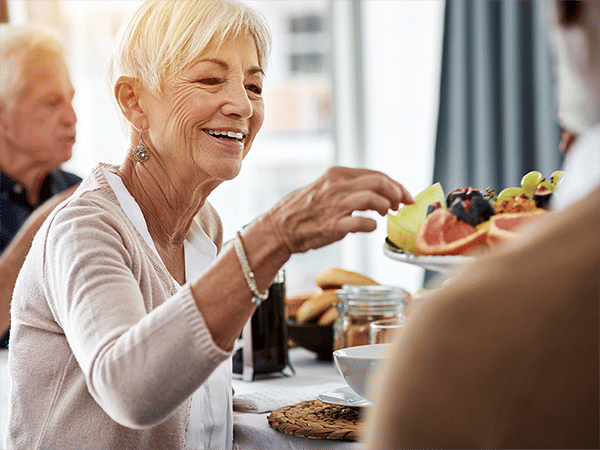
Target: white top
[(581, 168), (211, 420)]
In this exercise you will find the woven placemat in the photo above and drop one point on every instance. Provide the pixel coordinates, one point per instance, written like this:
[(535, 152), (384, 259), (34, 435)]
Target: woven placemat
[(317, 420)]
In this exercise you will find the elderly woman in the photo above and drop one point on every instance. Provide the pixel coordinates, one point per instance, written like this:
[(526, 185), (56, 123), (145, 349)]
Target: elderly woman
[(125, 305)]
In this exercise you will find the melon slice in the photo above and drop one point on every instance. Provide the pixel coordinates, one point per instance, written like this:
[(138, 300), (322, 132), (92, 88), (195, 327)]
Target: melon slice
[(402, 226)]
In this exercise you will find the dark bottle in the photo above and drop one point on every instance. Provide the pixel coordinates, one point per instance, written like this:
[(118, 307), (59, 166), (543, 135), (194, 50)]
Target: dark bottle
[(262, 347)]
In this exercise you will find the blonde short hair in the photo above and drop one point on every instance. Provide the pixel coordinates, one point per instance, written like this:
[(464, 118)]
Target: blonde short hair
[(18, 45), (163, 37)]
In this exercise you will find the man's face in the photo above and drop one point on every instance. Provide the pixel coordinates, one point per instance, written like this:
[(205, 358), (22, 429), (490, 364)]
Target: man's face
[(40, 123)]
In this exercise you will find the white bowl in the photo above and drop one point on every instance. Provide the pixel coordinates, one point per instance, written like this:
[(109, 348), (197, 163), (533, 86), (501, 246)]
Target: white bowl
[(357, 364)]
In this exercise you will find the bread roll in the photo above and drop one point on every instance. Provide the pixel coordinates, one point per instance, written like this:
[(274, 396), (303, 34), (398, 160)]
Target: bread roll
[(293, 302), (335, 278), (328, 317), (315, 306)]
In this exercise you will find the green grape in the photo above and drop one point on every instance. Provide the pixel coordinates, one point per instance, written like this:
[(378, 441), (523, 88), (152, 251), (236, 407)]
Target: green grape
[(551, 187), (531, 180), (510, 192), (529, 191), (556, 177)]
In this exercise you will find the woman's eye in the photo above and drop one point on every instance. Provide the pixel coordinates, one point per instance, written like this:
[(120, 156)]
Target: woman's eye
[(210, 81), (254, 88)]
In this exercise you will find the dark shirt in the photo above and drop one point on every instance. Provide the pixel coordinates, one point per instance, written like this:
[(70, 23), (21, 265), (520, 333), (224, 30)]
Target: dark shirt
[(15, 207)]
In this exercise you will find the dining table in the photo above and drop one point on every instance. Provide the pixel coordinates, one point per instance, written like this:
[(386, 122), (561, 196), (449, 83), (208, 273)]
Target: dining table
[(305, 378), (310, 378)]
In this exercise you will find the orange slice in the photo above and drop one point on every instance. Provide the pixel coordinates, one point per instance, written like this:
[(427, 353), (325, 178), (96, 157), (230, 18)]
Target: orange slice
[(505, 227), (442, 233)]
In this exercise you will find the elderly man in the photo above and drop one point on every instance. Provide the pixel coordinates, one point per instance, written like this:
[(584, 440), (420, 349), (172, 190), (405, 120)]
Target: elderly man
[(37, 133)]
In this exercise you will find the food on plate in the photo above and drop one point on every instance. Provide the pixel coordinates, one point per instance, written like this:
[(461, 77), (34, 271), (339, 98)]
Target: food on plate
[(542, 195), (402, 227), (517, 204), (556, 177), (444, 233), (318, 307), (293, 302), (336, 277), (509, 193), (531, 181), (328, 317), (470, 206), (315, 306), (535, 193), (503, 226), (467, 220)]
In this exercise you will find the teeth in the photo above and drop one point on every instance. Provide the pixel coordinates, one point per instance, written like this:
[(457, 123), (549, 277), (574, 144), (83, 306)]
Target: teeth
[(229, 134)]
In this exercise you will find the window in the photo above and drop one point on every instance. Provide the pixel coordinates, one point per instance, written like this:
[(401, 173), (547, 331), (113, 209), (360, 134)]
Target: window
[(349, 82)]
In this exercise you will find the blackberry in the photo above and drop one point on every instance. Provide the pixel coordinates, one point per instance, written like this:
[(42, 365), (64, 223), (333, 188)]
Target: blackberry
[(474, 211), (463, 194)]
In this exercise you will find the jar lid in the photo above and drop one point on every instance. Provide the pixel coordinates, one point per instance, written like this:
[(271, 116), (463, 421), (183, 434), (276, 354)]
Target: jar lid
[(370, 297)]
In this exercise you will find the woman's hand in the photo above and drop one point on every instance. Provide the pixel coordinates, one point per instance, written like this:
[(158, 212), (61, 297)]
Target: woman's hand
[(322, 212), (308, 218)]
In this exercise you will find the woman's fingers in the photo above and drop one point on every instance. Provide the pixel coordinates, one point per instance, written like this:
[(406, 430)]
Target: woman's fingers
[(386, 187), (370, 180), (356, 224), (322, 213), (366, 201)]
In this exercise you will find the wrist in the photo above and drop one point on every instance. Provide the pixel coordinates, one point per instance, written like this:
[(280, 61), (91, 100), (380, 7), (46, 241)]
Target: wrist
[(277, 235), (264, 251), (257, 297)]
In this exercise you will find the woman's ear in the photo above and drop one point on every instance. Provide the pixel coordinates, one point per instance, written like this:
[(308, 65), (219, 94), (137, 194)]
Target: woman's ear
[(127, 93)]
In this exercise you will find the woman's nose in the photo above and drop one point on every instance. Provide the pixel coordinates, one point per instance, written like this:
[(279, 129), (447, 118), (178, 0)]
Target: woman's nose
[(237, 101)]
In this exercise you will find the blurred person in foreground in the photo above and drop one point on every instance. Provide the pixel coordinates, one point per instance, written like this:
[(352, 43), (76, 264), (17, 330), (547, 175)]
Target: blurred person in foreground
[(37, 133), (505, 354), (126, 304)]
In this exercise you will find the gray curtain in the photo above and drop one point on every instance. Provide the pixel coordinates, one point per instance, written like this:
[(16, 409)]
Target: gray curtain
[(498, 109)]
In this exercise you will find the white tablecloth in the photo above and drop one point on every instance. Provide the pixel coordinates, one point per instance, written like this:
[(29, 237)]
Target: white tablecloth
[(251, 430)]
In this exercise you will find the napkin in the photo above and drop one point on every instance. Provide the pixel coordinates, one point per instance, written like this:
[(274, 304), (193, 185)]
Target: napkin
[(262, 399)]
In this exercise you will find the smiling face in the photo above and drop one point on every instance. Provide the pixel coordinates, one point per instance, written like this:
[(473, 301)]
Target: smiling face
[(40, 124), (204, 122)]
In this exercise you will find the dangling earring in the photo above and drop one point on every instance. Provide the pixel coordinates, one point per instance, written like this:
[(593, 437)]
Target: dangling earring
[(141, 153)]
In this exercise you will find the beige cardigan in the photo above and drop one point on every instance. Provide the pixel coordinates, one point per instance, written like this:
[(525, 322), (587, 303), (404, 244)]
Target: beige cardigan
[(105, 348)]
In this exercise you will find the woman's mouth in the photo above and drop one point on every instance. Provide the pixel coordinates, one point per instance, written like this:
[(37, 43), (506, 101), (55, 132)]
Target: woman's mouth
[(229, 135)]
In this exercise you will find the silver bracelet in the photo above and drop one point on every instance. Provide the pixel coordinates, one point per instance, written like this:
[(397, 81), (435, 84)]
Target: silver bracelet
[(257, 298)]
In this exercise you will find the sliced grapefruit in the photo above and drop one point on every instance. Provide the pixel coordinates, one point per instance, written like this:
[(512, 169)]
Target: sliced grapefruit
[(505, 227), (402, 227), (442, 233)]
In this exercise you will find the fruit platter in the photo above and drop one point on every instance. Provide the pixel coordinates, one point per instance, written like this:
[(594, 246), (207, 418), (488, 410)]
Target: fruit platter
[(442, 232), (435, 263)]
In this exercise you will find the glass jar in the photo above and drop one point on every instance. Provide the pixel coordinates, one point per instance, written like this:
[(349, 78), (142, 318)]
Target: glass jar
[(358, 306)]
